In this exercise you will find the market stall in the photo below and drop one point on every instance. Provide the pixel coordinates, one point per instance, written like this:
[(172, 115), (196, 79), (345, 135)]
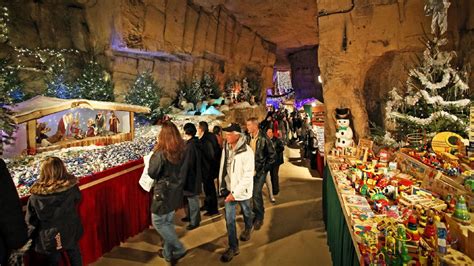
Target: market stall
[(394, 210)]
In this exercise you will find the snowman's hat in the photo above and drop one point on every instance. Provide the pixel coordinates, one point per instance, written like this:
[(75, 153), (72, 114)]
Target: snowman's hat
[(343, 113)]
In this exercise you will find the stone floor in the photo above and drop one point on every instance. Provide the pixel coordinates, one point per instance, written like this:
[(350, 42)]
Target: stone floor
[(293, 231)]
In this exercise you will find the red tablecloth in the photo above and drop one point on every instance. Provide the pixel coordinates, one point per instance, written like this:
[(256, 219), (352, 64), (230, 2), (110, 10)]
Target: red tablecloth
[(113, 208)]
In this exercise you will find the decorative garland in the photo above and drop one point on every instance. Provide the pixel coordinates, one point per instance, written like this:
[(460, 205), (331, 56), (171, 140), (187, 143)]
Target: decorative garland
[(426, 121), (48, 58), (427, 83), (439, 100), (4, 24)]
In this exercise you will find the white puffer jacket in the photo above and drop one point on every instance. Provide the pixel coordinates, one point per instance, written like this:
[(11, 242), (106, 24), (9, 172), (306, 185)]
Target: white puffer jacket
[(243, 168)]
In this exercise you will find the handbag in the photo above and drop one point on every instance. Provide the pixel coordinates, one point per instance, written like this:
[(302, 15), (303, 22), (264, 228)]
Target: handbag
[(17, 256), (146, 182), (160, 190)]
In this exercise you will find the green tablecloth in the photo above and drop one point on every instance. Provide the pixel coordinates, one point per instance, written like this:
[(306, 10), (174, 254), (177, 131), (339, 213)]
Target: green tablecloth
[(339, 237)]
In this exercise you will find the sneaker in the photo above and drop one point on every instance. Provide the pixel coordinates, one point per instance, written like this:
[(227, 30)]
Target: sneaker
[(192, 227), (257, 224), (161, 255), (229, 255), (211, 213), (245, 236), (175, 260)]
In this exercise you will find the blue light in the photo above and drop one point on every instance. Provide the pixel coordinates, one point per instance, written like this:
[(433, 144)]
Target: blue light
[(17, 95)]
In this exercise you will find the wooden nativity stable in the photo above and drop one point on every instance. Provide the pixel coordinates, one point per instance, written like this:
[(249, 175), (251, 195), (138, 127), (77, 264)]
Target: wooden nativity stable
[(46, 123)]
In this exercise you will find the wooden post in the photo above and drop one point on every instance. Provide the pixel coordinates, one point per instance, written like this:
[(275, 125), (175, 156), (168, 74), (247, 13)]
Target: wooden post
[(31, 135), (132, 125)]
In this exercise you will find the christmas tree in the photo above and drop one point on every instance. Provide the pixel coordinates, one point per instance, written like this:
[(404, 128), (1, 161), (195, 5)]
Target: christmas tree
[(145, 92), (254, 80), (56, 84), (7, 126), (436, 96), (11, 86), (192, 92), (95, 83), (210, 87), (245, 93)]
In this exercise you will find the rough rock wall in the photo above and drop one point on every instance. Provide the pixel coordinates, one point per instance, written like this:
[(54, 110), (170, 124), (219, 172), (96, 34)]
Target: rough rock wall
[(304, 74), (366, 50), (177, 40), (172, 39)]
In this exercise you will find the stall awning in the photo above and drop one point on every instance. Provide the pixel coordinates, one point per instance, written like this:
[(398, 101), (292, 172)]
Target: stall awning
[(41, 106)]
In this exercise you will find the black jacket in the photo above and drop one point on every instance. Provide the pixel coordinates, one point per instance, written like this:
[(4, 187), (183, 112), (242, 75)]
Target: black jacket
[(265, 156), (279, 148), (52, 213), (210, 155), (168, 187), (191, 168), (13, 231)]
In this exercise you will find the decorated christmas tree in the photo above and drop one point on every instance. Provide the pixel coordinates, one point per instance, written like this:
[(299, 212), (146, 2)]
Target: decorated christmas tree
[(245, 93), (57, 86), (95, 83), (145, 92), (11, 86), (210, 87), (193, 92), (7, 126), (436, 95)]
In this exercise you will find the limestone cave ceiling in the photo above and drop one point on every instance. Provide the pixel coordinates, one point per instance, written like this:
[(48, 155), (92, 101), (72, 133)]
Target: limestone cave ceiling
[(290, 24)]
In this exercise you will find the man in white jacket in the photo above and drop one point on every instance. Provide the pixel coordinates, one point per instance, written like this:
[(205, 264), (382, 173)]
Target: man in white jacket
[(236, 184)]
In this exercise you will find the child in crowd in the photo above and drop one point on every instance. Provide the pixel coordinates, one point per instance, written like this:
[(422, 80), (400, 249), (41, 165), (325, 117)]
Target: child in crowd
[(52, 217)]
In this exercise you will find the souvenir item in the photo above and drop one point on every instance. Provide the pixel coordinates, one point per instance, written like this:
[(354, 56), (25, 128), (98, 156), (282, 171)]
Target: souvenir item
[(344, 132), (461, 214)]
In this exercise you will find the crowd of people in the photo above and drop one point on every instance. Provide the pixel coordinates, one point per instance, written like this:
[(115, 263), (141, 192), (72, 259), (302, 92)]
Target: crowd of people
[(241, 163)]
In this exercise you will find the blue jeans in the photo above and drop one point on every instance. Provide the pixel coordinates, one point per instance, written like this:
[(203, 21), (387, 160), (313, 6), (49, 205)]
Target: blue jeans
[(74, 255), (258, 208), (164, 224), (230, 220), (194, 212)]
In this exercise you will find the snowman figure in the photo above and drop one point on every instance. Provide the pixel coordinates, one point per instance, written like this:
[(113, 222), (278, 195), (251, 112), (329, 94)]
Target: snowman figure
[(344, 132)]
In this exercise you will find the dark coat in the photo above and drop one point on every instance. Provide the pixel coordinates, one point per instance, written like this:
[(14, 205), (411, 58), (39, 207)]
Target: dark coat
[(265, 155), (279, 148), (13, 230), (168, 187), (191, 169), (211, 152), (52, 214)]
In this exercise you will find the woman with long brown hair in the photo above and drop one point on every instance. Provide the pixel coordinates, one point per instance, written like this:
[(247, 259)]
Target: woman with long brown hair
[(165, 165), (52, 213)]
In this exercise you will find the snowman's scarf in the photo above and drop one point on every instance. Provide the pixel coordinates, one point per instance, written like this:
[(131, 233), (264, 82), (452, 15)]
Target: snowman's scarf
[(342, 128)]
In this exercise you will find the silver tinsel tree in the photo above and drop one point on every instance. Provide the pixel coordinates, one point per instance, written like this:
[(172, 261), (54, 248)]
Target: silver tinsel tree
[(436, 95)]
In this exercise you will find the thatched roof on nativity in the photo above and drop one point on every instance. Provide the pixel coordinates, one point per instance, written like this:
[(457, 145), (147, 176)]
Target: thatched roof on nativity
[(41, 106)]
